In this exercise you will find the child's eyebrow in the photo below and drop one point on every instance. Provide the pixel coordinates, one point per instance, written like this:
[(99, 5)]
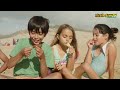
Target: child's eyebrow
[(64, 34), (95, 33), (71, 36)]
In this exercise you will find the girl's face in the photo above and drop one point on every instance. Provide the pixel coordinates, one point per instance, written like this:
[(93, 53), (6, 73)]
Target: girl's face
[(36, 38), (98, 38), (65, 37)]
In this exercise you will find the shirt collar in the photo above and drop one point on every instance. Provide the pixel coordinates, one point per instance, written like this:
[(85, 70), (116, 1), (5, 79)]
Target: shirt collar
[(104, 48)]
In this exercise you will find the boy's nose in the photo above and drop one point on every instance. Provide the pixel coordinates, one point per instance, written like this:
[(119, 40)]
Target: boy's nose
[(36, 35)]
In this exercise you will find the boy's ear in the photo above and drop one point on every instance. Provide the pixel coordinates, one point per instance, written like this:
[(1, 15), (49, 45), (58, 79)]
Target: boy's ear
[(58, 36)]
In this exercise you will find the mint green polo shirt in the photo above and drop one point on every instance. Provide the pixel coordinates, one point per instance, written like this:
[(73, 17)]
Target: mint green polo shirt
[(31, 66)]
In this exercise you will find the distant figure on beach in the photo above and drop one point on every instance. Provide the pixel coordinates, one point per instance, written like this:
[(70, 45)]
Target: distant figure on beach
[(15, 41), (32, 58), (101, 54), (65, 49), (6, 44)]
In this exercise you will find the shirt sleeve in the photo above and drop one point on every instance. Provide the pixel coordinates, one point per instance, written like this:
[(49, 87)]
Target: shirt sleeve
[(49, 57), (17, 48)]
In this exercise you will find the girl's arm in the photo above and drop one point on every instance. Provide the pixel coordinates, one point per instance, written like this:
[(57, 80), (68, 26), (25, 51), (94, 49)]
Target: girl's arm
[(71, 62), (5, 59), (112, 53), (88, 57)]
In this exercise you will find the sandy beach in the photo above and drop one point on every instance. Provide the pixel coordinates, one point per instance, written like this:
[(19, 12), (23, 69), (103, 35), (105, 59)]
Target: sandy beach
[(82, 38)]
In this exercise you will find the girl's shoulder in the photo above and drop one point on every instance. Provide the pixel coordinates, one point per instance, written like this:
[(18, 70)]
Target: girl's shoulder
[(111, 45), (54, 47)]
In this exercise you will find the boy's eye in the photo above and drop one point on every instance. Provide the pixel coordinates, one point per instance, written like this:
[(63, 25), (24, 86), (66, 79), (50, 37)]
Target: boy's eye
[(33, 32), (40, 33)]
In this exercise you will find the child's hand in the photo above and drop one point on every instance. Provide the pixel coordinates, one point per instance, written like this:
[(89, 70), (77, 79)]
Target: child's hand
[(68, 45), (60, 66), (71, 49), (90, 43), (39, 52), (26, 51)]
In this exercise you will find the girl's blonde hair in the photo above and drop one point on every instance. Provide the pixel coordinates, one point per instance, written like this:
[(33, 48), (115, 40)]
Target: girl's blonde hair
[(74, 41)]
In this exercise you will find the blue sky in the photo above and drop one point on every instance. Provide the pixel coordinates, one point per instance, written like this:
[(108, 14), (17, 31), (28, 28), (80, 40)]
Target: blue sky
[(12, 21)]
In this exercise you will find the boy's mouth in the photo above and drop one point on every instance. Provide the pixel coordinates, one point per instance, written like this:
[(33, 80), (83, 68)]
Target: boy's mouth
[(36, 42)]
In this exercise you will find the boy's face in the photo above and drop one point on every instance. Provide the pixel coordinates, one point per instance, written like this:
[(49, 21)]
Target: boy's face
[(36, 38)]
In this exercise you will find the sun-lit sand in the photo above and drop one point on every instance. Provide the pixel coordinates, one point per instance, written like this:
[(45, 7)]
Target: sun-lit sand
[(82, 38)]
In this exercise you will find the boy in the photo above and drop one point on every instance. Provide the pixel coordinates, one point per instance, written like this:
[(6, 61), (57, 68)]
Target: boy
[(32, 57)]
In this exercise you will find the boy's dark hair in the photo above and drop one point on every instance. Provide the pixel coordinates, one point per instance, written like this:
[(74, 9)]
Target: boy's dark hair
[(103, 29), (38, 23)]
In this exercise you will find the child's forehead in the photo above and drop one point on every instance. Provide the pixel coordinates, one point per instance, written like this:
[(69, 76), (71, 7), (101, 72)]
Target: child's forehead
[(96, 31), (66, 30), (34, 30)]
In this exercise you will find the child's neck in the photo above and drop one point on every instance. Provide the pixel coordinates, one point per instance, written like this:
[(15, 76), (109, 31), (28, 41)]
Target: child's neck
[(62, 47), (102, 44)]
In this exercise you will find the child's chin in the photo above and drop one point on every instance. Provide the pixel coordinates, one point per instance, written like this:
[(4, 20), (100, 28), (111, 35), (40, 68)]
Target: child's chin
[(96, 44), (36, 43)]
